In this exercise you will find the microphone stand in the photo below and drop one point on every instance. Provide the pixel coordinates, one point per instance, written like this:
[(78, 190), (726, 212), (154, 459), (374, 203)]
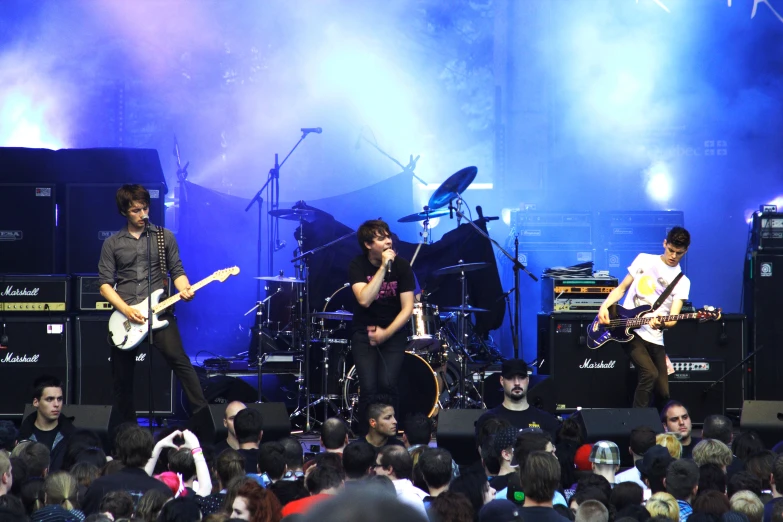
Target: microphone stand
[(408, 168), (151, 341)]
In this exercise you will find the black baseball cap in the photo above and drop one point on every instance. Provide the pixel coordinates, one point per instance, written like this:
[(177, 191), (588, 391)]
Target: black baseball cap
[(514, 367)]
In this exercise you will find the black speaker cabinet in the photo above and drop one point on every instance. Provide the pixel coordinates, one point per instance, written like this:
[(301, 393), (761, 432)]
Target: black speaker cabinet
[(765, 418), (694, 383), (763, 288), (277, 424), (27, 228), (93, 382), (583, 378), (457, 433), (724, 340), (31, 347), (91, 216), (615, 424)]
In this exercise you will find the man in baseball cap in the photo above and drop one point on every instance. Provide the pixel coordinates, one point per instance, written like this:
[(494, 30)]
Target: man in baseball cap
[(605, 456), (515, 408)]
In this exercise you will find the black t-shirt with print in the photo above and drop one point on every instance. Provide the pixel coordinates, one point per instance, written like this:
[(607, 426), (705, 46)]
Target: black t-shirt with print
[(387, 305)]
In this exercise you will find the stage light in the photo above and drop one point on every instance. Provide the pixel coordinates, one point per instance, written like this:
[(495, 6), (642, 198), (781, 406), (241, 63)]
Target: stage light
[(505, 216), (659, 185)]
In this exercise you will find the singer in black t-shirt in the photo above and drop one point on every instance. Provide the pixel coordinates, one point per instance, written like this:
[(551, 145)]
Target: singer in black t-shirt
[(383, 285)]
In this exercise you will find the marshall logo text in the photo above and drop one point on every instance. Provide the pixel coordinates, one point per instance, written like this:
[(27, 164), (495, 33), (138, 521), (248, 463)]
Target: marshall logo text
[(10, 358), (10, 291), (589, 364)]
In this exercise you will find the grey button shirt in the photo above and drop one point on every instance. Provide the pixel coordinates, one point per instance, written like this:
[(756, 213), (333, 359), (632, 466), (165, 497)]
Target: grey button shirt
[(124, 261)]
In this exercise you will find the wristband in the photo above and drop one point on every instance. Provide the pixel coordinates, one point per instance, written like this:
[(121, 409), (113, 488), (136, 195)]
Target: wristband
[(196, 451)]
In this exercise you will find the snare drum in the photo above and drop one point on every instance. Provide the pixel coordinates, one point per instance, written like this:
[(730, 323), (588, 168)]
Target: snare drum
[(418, 387), (424, 325)]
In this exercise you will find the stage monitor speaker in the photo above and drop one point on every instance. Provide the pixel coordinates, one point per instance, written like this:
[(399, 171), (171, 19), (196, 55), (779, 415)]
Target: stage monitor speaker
[(725, 339), (583, 378), (763, 288), (91, 216), (93, 383), (87, 417), (28, 226), (457, 433), (540, 392), (31, 347), (615, 424), (765, 418), (277, 424)]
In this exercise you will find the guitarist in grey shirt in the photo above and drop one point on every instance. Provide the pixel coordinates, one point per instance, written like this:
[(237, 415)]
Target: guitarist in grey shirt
[(124, 262)]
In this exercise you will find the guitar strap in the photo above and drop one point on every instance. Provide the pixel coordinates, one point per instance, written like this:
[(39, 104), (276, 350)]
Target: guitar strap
[(162, 253), (666, 292)]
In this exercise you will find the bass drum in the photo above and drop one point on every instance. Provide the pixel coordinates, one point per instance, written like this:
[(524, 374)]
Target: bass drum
[(418, 387)]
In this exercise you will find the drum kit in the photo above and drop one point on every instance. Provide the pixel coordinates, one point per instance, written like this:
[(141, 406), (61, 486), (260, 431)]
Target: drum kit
[(434, 373)]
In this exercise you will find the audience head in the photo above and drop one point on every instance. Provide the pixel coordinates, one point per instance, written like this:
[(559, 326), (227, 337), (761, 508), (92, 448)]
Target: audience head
[(743, 480), (358, 460), (663, 505), (671, 442), (675, 419), (473, 484), (777, 512), (626, 494), (570, 430), (36, 456), (150, 504), (541, 476), (528, 442), (133, 446), (85, 473), (489, 427), (592, 511), (248, 426), (119, 503), (682, 479), (255, 504), (48, 397), (182, 509), (746, 444), (712, 451), (605, 455), (334, 434), (77, 446), (8, 435), (181, 461), (32, 495), (586, 493), (381, 419), (712, 478), (761, 464), (230, 415), (60, 488), (18, 474), (229, 464), (435, 466), (499, 510), (514, 379), (498, 448), (712, 503), (777, 473), (395, 462), (717, 427), (271, 460), (288, 490), (454, 507), (355, 505), (294, 454), (418, 429), (653, 466), (747, 503), (6, 474), (642, 439), (325, 479)]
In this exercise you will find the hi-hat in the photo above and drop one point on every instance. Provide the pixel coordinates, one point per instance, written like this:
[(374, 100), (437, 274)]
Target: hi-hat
[(280, 279), (467, 309), (425, 214), (293, 214), (452, 187), (340, 315), (462, 267)]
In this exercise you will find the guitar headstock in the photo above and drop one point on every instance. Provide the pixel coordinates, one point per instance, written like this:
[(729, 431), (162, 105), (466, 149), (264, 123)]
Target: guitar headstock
[(222, 275), (708, 313)]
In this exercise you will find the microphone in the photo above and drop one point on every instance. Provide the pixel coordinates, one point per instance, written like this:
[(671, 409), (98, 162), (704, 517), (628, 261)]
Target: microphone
[(308, 130), (505, 294), (279, 245), (146, 218), (388, 266)]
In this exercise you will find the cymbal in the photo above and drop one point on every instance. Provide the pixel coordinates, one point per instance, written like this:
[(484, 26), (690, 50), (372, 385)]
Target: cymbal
[(466, 309), (280, 279), (293, 214), (462, 267), (426, 214), (452, 187), (340, 315)]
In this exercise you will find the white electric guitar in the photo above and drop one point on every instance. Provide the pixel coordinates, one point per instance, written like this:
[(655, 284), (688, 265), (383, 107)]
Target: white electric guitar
[(126, 335)]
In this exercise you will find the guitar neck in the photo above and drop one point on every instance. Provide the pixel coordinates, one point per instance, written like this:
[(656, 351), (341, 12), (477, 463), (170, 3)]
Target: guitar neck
[(176, 297), (641, 321)]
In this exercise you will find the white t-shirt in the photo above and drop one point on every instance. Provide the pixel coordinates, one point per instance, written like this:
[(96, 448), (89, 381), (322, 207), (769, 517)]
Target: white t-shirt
[(651, 276)]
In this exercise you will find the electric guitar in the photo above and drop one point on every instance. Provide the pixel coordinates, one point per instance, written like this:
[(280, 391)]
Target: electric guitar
[(622, 321), (126, 335)]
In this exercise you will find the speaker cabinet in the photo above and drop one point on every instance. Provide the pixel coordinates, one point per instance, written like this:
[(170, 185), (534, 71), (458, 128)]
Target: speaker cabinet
[(724, 340), (615, 424), (694, 383), (457, 433), (583, 378), (29, 348), (93, 379), (277, 424), (764, 417), (27, 228), (91, 216)]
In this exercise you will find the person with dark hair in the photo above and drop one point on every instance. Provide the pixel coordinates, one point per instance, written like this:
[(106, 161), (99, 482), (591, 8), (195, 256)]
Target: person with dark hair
[(123, 277), (711, 502), (185, 459), (653, 466), (436, 470), (358, 460), (182, 509), (712, 478), (417, 431), (322, 482), (232, 408), (648, 277), (8, 435), (117, 503), (526, 443), (334, 435), (743, 480), (515, 407), (230, 464), (287, 491), (364, 503), (642, 438), (294, 458), (473, 484), (626, 494), (540, 478), (149, 505), (592, 511), (593, 481), (761, 464), (682, 482), (382, 425), (717, 427), (37, 458), (383, 285), (249, 427), (746, 444), (78, 444), (271, 460), (255, 504), (134, 449), (497, 455), (452, 507), (776, 481), (676, 419), (396, 463), (45, 424), (484, 436), (18, 475)]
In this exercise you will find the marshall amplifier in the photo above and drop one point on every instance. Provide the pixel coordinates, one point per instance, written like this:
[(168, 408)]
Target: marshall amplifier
[(767, 232), (28, 226), (93, 377), (583, 378), (29, 348), (553, 228), (34, 293), (87, 294), (637, 227)]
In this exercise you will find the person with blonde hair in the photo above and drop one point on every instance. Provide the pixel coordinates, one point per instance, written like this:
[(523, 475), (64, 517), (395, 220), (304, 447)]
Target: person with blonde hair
[(6, 476), (711, 451), (671, 443), (747, 503), (663, 505), (60, 501)]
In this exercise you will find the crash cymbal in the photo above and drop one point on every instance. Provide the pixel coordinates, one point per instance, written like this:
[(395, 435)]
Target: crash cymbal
[(425, 214), (452, 187), (293, 214), (467, 309), (461, 267), (340, 315), (280, 279)]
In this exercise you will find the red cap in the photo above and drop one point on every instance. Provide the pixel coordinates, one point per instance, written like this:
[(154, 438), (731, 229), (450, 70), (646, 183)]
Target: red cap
[(581, 459)]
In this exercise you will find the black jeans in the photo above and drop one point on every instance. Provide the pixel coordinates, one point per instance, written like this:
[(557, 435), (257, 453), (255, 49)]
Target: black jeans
[(378, 368), (169, 343), (650, 361)]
